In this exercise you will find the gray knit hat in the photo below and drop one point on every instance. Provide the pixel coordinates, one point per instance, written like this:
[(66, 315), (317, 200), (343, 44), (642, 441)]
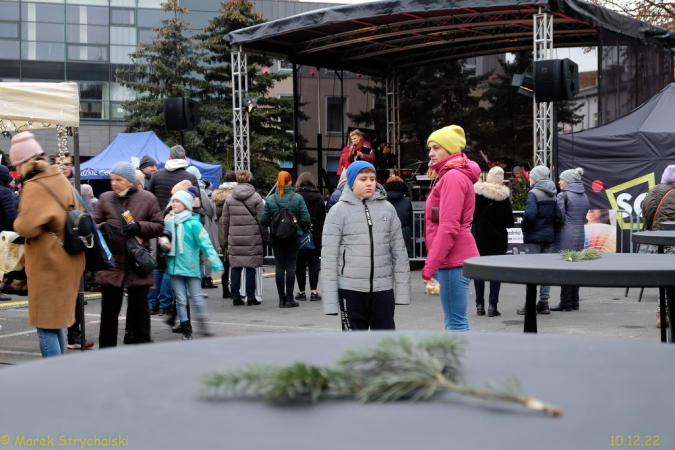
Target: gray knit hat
[(572, 175), (147, 161), (540, 173), (125, 170)]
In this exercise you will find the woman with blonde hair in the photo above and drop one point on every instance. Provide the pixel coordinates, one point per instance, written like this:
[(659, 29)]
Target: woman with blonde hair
[(358, 150), (285, 247)]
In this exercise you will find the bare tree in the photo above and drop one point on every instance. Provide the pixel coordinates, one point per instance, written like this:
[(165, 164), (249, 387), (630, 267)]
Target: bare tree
[(655, 12)]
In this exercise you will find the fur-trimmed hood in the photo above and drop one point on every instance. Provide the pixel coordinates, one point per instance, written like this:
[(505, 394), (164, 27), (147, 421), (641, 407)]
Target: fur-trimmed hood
[(492, 191), (33, 166)]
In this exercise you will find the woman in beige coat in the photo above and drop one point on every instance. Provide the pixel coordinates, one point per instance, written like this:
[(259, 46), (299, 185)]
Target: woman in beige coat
[(53, 274)]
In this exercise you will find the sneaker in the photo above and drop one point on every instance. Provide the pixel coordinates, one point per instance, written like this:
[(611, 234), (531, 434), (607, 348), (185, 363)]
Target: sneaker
[(207, 283), (315, 297), (4, 297), (75, 342), (301, 296), (164, 311), (129, 338)]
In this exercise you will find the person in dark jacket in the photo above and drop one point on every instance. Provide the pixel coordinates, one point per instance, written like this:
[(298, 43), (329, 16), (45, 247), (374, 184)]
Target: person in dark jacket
[(574, 205), (148, 166), (286, 250), (174, 171), (219, 196), (491, 219), (243, 236), (399, 196), (306, 188), (540, 220), (7, 200), (335, 196), (148, 224)]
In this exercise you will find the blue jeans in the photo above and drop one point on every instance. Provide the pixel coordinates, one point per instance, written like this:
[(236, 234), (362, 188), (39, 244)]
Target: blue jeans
[(52, 342), (534, 248), (236, 283), (192, 286), (163, 293), (454, 298)]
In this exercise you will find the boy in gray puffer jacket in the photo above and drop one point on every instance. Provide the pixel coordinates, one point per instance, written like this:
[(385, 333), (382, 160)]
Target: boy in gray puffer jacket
[(364, 262)]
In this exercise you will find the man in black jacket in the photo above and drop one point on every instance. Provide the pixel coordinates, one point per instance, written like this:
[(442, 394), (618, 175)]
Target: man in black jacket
[(174, 171)]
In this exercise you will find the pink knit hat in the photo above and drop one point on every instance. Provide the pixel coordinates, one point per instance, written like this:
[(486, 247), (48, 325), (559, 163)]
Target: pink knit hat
[(24, 147)]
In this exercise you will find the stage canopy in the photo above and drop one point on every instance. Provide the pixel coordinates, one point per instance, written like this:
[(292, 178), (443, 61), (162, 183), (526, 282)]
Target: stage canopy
[(376, 37), (625, 158), (26, 106), (131, 147)]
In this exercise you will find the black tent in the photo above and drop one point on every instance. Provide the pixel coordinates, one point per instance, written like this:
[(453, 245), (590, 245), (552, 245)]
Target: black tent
[(625, 158)]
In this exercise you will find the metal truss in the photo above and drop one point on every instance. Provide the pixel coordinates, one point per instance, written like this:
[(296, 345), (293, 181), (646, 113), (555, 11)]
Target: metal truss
[(543, 112), (393, 114), (240, 123)]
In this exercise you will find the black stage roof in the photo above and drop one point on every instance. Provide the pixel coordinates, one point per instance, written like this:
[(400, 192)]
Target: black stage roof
[(374, 37)]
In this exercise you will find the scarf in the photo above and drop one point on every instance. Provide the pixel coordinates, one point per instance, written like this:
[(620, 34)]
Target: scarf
[(178, 231)]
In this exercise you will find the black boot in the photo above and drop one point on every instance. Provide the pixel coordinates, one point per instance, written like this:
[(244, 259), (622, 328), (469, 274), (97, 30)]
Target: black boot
[(226, 291), (237, 302), (207, 283), (480, 309), (186, 328), (177, 328), (561, 307), (252, 301), (282, 303), (492, 310), (290, 303)]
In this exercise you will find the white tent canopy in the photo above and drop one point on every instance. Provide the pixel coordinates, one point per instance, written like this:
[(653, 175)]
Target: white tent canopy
[(25, 106)]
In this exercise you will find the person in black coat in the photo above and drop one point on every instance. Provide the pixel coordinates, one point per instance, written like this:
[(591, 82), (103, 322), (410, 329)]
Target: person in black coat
[(491, 219), (174, 171), (399, 196), (8, 202), (306, 188)]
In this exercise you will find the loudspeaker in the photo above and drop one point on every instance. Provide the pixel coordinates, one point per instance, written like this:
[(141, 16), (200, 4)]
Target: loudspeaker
[(192, 117), (181, 113), (174, 113), (548, 83), (570, 78)]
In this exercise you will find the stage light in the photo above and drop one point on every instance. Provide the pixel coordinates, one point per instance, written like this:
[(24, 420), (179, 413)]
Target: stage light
[(250, 102), (524, 83)]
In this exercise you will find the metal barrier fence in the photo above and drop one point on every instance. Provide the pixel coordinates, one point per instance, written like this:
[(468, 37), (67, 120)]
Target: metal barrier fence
[(419, 251)]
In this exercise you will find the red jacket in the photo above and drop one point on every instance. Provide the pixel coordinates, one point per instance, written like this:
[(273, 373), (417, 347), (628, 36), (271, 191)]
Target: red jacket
[(454, 195), (348, 157)]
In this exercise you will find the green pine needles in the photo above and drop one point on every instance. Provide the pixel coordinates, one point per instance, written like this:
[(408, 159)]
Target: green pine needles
[(587, 254), (395, 368)]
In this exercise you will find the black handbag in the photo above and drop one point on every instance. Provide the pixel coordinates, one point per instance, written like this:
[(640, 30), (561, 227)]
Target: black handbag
[(139, 258)]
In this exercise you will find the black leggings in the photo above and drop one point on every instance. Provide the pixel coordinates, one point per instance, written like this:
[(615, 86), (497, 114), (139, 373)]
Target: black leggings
[(311, 259), (285, 255)]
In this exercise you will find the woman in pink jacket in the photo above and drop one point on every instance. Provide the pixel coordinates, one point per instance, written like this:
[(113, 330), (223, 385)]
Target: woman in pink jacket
[(448, 213)]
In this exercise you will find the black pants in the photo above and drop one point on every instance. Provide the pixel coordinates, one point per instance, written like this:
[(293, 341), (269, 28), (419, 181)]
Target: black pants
[(306, 259), (285, 255), (569, 295), (75, 327), (366, 310), (138, 314)]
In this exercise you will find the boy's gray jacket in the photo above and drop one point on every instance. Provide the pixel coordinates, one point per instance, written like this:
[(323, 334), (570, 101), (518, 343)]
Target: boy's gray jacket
[(353, 258)]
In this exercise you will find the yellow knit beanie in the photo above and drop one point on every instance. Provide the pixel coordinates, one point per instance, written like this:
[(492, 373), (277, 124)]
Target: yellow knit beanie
[(450, 138)]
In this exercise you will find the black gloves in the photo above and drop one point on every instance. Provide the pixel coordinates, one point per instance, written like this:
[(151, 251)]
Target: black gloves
[(132, 229)]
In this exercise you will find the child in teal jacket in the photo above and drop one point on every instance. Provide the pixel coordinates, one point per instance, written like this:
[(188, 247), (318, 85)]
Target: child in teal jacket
[(188, 237)]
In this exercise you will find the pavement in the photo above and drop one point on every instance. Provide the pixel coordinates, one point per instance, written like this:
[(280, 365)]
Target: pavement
[(603, 313)]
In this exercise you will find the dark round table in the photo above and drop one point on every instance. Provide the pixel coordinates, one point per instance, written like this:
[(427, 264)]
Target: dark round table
[(150, 396), (610, 270)]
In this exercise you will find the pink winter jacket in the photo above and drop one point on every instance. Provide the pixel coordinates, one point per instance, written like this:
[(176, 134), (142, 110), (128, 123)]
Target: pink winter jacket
[(455, 197)]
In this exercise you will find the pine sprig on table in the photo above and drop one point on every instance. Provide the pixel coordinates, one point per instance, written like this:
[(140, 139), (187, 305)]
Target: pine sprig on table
[(395, 368), (586, 254)]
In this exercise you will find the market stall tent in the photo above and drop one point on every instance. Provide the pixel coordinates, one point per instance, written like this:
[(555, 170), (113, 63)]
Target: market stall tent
[(131, 147), (26, 106)]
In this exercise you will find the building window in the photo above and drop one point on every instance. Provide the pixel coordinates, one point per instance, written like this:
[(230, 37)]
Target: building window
[(87, 34), (123, 17), (152, 18), (48, 32), (10, 10), (123, 36), (41, 12), (146, 36), (87, 53), (91, 15), (285, 66), (42, 51), (120, 54), (9, 49), (9, 30), (93, 100), (336, 115)]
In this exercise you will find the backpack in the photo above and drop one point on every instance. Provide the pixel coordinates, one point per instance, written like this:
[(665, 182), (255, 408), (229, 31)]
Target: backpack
[(284, 224), (78, 232)]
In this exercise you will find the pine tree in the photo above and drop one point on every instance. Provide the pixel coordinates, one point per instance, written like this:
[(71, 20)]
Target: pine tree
[(268, 122), (162, 69)]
